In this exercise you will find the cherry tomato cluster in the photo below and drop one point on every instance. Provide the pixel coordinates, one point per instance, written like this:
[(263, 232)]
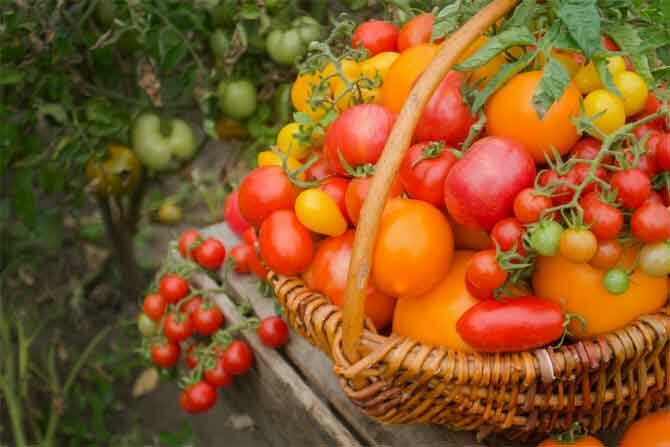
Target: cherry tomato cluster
[(182, 322)]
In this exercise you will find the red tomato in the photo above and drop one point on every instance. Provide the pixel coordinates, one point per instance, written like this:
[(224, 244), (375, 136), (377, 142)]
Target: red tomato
[(424, 170), (652, 105), (173, 288), (609, 44), (651, 223), (319, 170), (528, 206), (579, 172), (328, 275), (208, 318), (264, 190), (587, 148), (184, 402), (241, 254), (218, 376), (256, 266), (192, 305), (376, 36), (201, 397), (604, 220), (273, 332), (188, 240), (154, 306), (336, 188), (359, 134), (518, 324), (237, 358), (416, 31), (357, 191), (165, 354), (210, 254), (446, 117), (662, 151), (607, 255), (647, 128), (483, 271), (250, 237), (481, 187), (646, 162), (633, 187), (190, 359), (286, 245), (177, 326), (508, 235), (232, 214)]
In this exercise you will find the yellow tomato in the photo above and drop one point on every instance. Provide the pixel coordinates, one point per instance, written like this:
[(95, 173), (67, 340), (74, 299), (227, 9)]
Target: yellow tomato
[(339, 84), (288, 142), (610, 105), (303, 88), (587, 78), (374, 67), (633, 89), (270, 158), (317, 211)]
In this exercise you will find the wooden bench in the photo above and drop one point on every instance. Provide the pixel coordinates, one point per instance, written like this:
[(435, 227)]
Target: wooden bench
[(294, 397)]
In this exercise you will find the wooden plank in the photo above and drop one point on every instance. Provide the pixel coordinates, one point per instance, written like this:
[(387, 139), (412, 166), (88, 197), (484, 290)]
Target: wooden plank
[(292, 414), (316, 368)]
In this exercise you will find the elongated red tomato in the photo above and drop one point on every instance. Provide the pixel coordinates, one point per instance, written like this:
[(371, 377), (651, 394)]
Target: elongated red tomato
[(264, 190), (446, 117), (517, 324), (423, 171), (286, 245), (481, 187), (359, 135)]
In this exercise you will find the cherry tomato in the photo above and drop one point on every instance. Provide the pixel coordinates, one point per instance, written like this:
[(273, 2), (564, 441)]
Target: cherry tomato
[(201, 397), (518, 324), (154, 306), (285, 244), (508, 235), (177, 326), (587, 78), (359, 135), (655, 259), (318, 212), (662, 151), (616, 281), (240, 254), (173, 288), (350, 71), (528, 206), (357, 191), (188, 240), (192, 305), (652, 105), (607, 255), (423, 171), (289, 143), (218, 376), (237, 358), (232, 214), (587, 148), (651, 223), (650, 431), (446, 117), (604, 220), (646, 128), (319, 170), (264, 190), (546, 237), (165, 354), (250, 237), (146, 325), (633, 187), (190, 359), (634, 90), (376, 36), (210, 253), (484, 272), (273, 332), (376, 67), (416, 31), (610, 109), (305, 86), (184, 402), (646, 162), (208, 318), (336, 188), (578, 245)]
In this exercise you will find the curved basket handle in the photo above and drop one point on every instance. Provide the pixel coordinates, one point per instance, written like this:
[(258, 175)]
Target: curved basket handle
[(387, 166)]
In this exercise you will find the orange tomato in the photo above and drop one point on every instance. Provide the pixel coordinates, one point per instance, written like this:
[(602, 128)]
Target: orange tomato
[(413, 249), (650, 431), (578, 288), (416, 31), (431, 318), (328, 274), (510, 113), (586, 441), (402, 74)]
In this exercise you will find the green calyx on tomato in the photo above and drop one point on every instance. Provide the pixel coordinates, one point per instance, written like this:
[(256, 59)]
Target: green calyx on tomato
[(118, 174), (286, 46), (157, 149), (237, 99)]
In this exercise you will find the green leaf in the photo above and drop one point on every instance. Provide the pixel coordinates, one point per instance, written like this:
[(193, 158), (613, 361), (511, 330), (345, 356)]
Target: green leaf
[(523, 15), (11, 76), (626, 36), (174, 56), (553, 83), (602, 65), (24, 201), (582, 19), (446, 21), (496, 45), (504, 74)]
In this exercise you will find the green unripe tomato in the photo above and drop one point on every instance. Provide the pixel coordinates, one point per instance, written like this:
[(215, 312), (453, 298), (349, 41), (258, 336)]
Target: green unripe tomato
[(218, 42), (546, 237), (616, 281), (105, 12), (157, 150), (169, 213), (285, 47), (146, 326), (309, 29), (237, 99), (655, 259)]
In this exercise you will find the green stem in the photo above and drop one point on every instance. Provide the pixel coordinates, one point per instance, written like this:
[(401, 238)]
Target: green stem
[(14, 410)]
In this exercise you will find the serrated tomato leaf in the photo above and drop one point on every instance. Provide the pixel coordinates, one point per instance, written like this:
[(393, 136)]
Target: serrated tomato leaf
[(553, 83), (504, 74), (513, 37), (582, 19)]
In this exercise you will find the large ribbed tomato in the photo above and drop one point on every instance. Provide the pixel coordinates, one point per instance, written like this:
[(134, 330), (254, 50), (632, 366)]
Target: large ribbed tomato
[(510, 113), (481, 187), (413, 249), (359, 135), (403, 73), (328, 275)]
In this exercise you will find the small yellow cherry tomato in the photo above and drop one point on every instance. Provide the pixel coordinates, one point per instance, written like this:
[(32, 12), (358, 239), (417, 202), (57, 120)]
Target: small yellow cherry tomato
[(376, 66), (588, 79), (270, 158), (567, 59), (612, 109), (288, 142), (633, 89), (318, 211), (303, 88), (338, 84)]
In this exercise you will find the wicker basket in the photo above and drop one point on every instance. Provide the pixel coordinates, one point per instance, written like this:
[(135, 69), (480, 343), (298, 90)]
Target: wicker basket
[(601, 383)]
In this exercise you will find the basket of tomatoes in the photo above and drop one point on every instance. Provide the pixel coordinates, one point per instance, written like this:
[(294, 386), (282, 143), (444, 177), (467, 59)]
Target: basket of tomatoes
[(469, 216)]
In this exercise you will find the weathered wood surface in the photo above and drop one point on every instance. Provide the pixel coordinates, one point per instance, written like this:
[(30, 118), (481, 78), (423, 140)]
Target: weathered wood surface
[(303, 386)]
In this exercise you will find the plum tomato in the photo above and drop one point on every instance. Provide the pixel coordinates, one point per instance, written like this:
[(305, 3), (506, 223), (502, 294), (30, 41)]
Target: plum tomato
[(336, 188), (318, 212)]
